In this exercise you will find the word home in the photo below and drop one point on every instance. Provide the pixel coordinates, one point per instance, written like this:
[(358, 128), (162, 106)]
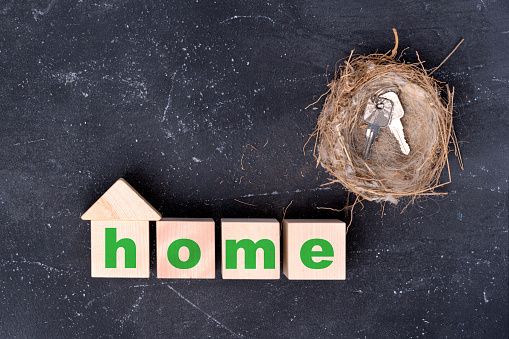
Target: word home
[(250, 248)]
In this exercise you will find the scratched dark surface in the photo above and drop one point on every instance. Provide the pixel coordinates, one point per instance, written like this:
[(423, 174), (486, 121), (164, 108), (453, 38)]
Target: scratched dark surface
[(198, 103)]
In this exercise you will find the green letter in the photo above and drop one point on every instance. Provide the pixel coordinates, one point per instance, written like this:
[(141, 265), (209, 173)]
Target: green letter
[(112, 246), (307, 253), (250, 248), (194, 253)]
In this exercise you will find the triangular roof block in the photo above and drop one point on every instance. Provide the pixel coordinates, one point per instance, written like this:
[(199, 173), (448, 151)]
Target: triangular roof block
[(121, 202)]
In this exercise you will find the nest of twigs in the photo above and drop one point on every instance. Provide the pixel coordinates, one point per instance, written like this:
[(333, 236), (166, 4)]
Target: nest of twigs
[(388, 174)]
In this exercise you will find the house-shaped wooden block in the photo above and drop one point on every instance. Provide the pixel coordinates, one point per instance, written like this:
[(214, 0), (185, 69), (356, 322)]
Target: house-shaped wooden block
[(120, 233)]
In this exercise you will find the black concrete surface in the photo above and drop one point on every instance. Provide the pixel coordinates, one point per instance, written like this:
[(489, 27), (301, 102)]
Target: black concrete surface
[(199, 103)]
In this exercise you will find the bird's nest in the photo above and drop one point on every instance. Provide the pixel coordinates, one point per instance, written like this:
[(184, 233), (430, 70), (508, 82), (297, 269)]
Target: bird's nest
[(388, 174)]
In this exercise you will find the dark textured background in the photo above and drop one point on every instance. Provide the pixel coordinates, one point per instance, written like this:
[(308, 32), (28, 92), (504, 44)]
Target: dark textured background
[(198, 103)]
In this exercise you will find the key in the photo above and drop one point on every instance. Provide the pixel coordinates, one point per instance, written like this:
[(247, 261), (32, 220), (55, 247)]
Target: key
[(395, 124), (377, 114)]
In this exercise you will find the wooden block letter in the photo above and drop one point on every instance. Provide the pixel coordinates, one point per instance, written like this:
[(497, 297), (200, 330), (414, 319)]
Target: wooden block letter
[(250, 248), (120, 244), (186, 248), (120, 249), (314, 249)]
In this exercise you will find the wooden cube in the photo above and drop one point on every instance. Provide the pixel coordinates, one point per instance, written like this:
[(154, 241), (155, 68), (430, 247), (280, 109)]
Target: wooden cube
[(250, 248), (314, 249), (186, 248), (120, 249)]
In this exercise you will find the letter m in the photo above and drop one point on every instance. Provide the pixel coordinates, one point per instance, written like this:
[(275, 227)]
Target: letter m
[(250, 248)]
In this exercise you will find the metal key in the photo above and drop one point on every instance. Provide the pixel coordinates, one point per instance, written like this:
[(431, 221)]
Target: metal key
[(377, 114), (395, 125)]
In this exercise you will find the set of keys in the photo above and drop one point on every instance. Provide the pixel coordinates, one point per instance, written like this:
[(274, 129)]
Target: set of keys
[(382, 111)]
